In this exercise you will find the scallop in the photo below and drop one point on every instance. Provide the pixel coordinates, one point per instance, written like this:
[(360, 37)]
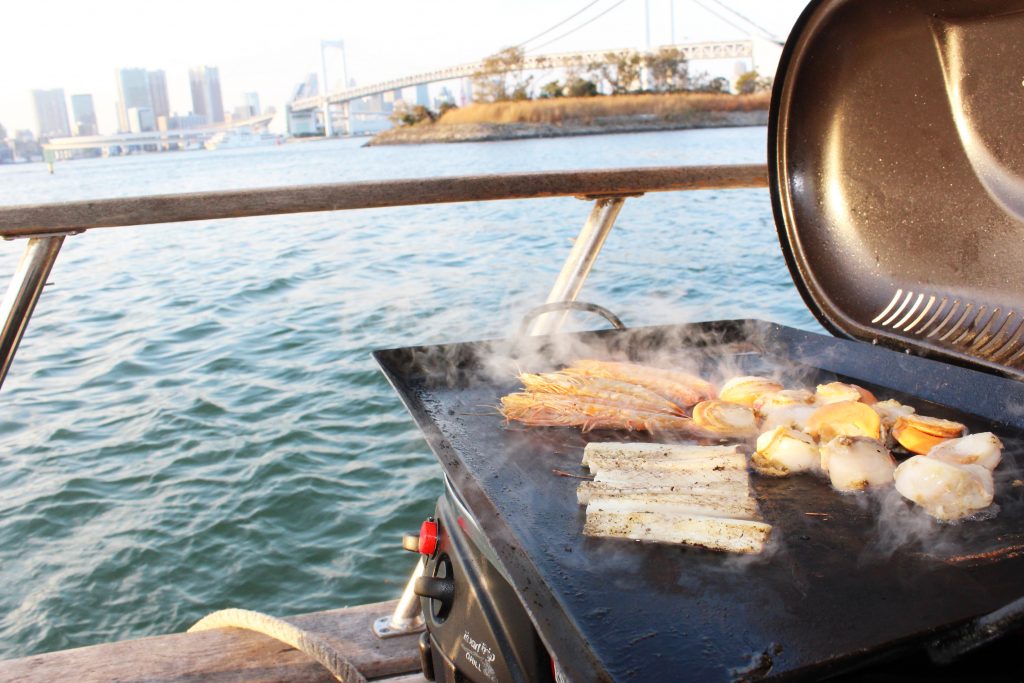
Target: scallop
[(844, 418), (841, 391), (747, 389), (983, 449), (766, 403), (946, 490), (794, 416), (888, 412), (919, 434), (784, 451), (854, 463), (725, 418), (891, 410)]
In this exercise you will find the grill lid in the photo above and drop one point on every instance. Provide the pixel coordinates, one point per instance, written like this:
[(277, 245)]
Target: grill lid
[(896, 158)]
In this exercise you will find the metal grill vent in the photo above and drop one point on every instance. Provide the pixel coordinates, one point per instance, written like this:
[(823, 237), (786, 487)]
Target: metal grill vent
[(985, 332)]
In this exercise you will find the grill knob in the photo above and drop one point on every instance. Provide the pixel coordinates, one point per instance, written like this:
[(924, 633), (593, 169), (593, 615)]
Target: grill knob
[(439, 589), (426, 542), (428, 538)]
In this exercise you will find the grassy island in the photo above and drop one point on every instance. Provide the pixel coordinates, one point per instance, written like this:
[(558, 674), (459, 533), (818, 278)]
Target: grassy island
[(561, 116)]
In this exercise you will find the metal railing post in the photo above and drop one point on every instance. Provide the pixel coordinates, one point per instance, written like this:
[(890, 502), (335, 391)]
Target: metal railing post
[(22, 294), (407, 617), (579, 261)]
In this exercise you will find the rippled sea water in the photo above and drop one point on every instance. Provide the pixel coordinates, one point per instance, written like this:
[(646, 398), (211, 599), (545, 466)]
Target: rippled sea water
[(194, 421)]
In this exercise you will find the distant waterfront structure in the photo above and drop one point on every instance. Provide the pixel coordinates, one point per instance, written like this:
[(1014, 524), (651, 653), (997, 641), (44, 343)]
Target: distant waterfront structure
[(309, 121), (51, 113), (206, 95), (423, 95), (307, 88), (141, 120), (132, 93), (83, 113), (159, 102), (25, 145), (249, 107), (251, 100), (141, 89), (180, 122)]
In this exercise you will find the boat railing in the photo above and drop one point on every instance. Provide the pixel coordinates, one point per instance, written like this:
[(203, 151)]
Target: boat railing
[(45, 226)]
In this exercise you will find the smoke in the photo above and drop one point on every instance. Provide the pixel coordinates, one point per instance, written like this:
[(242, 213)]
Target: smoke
[(480, 373), (989, 534)]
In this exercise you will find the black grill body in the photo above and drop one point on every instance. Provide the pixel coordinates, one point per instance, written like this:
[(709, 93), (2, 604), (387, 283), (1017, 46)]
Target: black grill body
[(482, 633), (834, 595)]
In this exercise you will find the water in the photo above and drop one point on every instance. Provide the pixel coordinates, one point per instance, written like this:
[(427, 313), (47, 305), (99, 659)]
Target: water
[(193, 420)]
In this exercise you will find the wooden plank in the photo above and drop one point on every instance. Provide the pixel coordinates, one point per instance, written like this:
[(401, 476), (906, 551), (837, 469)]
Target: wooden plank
[(228, 655), (41, 219)]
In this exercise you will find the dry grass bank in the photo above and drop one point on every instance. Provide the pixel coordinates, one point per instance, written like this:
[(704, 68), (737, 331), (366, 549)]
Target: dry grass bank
[(586, 109)]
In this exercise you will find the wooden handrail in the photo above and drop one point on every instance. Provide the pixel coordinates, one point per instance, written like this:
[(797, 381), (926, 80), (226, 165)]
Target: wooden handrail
[(47, 219)]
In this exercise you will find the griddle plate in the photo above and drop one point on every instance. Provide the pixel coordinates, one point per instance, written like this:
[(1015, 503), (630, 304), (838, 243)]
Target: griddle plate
[(836, 589)]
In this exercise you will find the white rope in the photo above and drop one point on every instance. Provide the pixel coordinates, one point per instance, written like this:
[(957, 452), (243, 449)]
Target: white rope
[(304, 641)]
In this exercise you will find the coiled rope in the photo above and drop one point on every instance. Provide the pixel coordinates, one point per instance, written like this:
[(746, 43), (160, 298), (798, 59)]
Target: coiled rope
[(303, 641)]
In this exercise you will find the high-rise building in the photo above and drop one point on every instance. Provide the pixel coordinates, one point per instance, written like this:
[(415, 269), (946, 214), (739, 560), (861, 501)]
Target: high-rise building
[(132, 93), (308, 88), (249, 107), (251, 101), (51, 113), (206, 97), (423, 95), (140, 120), (158, 99), (84, 114)]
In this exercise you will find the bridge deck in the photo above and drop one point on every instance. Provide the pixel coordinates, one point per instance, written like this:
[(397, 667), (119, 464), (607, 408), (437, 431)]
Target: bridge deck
[(727, 49)]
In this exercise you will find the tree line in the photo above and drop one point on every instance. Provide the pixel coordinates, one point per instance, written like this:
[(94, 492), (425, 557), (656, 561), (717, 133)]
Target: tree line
[(504, 77)]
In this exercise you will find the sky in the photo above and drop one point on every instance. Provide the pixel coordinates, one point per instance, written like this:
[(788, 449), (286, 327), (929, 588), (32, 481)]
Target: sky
[(270, 47)]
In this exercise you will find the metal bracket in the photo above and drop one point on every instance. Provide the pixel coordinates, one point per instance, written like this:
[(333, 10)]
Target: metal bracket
[(580, 260), (23, 293), (66, 233), (609, 195), (406, 618)]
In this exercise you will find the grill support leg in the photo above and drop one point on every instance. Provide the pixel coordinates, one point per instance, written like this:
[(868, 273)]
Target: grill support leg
[(406, 618), (579, 262), (22, 294)]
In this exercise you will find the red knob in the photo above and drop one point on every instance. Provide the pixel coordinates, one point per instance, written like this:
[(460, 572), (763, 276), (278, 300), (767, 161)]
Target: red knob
[(428, 537)]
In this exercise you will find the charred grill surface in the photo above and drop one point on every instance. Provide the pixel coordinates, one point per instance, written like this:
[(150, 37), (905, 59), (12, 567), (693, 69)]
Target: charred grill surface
[(847, 579)]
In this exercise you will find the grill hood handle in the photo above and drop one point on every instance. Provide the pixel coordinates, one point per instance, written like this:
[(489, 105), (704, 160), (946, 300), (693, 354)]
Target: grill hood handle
[(534, 313), (977, 632)]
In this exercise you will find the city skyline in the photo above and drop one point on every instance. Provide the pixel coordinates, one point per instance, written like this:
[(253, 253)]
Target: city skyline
[(270, 54)]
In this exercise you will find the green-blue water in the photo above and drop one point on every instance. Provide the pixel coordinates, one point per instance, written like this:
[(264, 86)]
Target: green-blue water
[(194, 421)]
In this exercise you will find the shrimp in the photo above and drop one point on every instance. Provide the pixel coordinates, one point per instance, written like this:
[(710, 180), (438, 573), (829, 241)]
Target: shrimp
[(600, 389), (554, 410), (679, 387)]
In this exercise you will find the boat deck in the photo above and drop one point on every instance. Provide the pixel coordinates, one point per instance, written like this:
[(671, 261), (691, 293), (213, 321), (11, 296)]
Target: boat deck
[(231, 655)]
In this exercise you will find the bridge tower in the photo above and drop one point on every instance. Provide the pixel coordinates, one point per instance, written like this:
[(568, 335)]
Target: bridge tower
[(328, 122)]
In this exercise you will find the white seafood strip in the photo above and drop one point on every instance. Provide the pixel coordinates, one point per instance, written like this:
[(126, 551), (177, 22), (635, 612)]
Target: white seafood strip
[(709, 491), (667, 477), (617, 450), (744, 508), (732, 461), (716, 533)]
